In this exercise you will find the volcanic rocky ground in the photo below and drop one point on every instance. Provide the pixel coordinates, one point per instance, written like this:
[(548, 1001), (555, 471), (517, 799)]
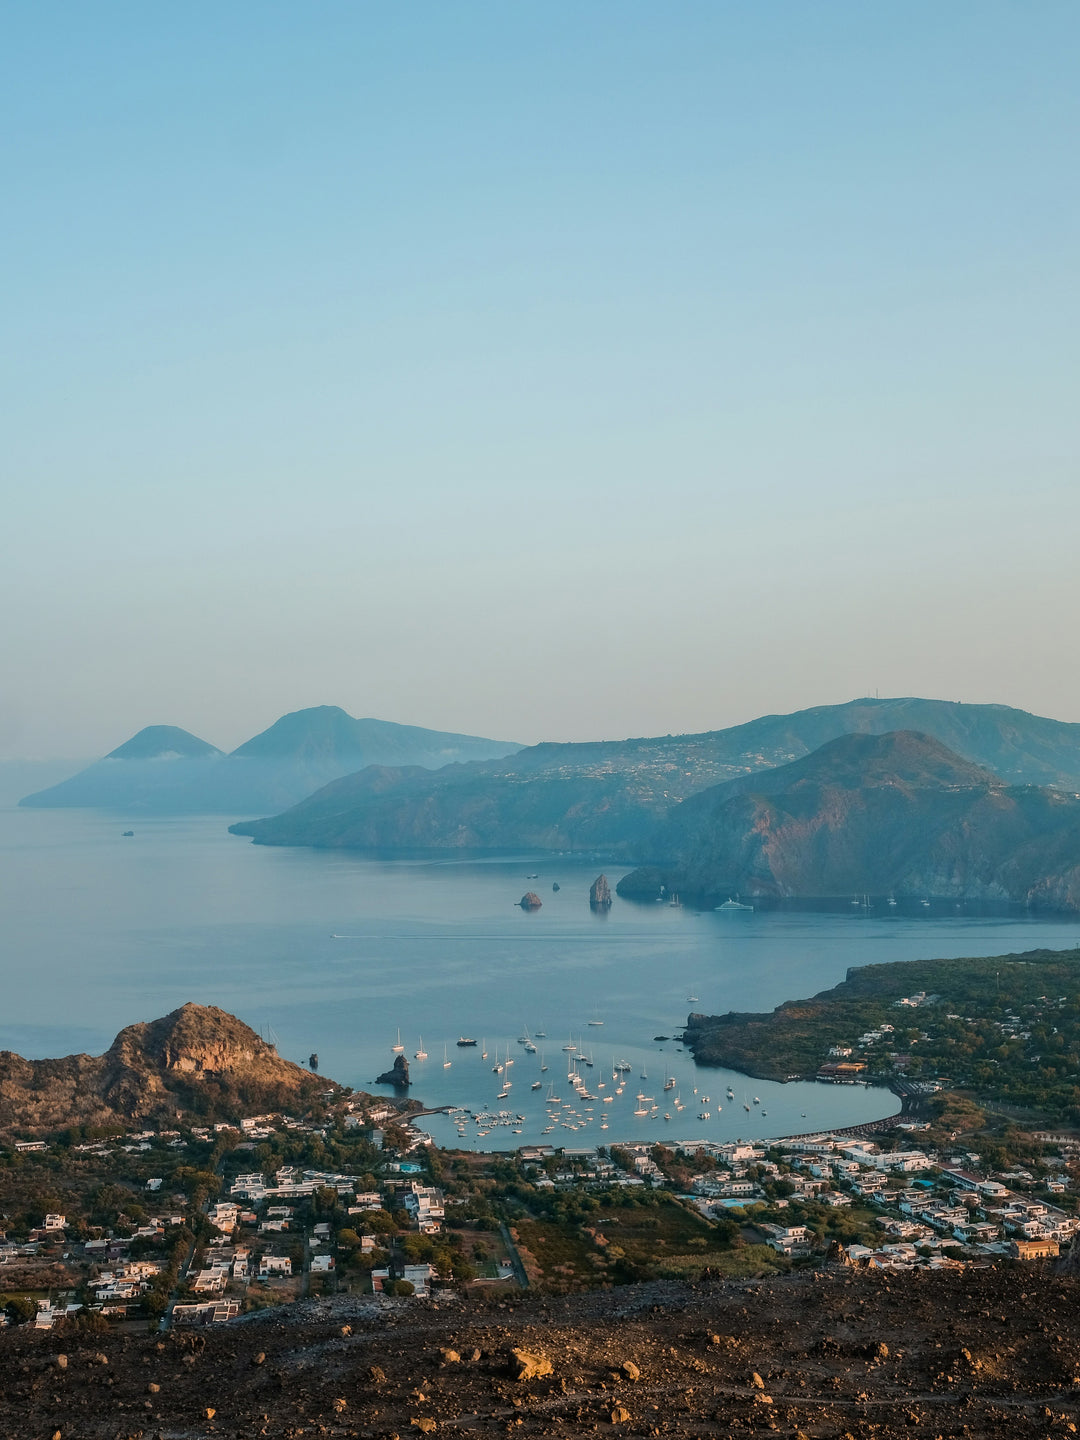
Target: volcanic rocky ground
[(979, 1353)]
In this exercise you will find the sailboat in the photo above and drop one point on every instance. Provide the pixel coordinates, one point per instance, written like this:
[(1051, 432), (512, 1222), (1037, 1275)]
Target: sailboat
[(421, 1054), (669, 1080), (446, 1061), (399, 1048), (543, 1066), (483, 1050)]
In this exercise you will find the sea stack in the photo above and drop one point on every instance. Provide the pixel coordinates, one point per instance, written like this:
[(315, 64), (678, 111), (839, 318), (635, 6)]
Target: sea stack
[(397, 1075), (600, 892), (530, 901)]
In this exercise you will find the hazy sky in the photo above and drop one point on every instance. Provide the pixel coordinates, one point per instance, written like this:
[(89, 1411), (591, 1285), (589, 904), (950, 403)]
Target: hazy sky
[(537, 370)]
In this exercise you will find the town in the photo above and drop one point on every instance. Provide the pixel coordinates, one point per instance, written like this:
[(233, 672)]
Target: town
[(199, 1224)]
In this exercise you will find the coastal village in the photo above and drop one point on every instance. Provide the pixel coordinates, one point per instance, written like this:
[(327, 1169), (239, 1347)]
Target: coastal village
[(198, 1225)]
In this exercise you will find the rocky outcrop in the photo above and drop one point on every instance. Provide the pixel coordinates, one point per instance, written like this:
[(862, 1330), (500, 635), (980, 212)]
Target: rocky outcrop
[(530, 901), (397, 1075), (198, 1059), (600, 893)]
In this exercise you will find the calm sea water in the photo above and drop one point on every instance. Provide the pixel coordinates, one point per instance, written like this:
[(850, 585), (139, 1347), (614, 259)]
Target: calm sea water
[(335, 952)]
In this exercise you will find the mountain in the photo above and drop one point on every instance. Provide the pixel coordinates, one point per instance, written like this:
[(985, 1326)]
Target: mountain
[(611, 796), (163, 742), (154, 770), (897, 814), (199, 1059), (165, 770)]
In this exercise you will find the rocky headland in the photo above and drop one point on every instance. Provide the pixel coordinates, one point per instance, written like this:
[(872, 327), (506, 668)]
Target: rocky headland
[(198, 1059), (890, 815)]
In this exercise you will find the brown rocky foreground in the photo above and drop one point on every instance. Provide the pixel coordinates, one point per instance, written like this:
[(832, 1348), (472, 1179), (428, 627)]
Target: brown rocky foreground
[(979, 1353)]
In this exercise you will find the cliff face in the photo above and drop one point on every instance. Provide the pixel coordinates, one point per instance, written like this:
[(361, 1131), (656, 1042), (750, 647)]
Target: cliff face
[(895, 814), (198, 1059)]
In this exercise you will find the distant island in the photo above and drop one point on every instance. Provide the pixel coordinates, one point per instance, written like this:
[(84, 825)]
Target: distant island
[(891, 814), (612, 797), (165, 770)]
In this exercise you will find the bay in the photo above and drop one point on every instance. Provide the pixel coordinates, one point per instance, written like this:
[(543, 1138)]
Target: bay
[(333, 952)]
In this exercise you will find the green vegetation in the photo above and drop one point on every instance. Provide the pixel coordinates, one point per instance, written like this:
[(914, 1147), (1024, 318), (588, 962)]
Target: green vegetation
[(1006, 1028)]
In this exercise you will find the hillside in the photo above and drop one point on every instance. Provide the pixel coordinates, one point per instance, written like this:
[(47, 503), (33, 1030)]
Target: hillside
[(164, 770), (897, 815), (979, 1352), (610, 796), (198, 1059)]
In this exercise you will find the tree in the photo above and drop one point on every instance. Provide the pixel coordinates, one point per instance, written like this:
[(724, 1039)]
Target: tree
[(403, 1287), (19, 1308)]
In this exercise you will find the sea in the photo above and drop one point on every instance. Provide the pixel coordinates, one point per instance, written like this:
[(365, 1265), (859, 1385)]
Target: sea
[(339, 954)]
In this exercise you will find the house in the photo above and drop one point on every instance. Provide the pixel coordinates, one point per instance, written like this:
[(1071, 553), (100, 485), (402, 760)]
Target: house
[(209, 1282), (1044, 1249), (55, 1222), (322, 1264), (794, 1240), (28, 1147), (418, 1276), (274, 1265), (208, 1313), (426, 1207)]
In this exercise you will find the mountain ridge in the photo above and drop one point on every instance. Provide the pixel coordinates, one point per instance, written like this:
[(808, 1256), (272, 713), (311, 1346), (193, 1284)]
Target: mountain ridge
[(611, 797)]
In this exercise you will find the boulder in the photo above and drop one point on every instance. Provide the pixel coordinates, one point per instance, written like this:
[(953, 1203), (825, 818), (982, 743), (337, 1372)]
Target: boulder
[(530, 901), (529, 1364)]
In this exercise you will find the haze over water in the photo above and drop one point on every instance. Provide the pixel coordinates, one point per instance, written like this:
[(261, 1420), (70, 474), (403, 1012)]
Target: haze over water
[(101, 931)]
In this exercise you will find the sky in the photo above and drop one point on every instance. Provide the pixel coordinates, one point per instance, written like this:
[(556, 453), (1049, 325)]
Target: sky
[(534, 371)]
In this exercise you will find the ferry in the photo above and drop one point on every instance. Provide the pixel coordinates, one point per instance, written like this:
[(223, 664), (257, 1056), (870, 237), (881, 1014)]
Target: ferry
[(465, 1041)]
